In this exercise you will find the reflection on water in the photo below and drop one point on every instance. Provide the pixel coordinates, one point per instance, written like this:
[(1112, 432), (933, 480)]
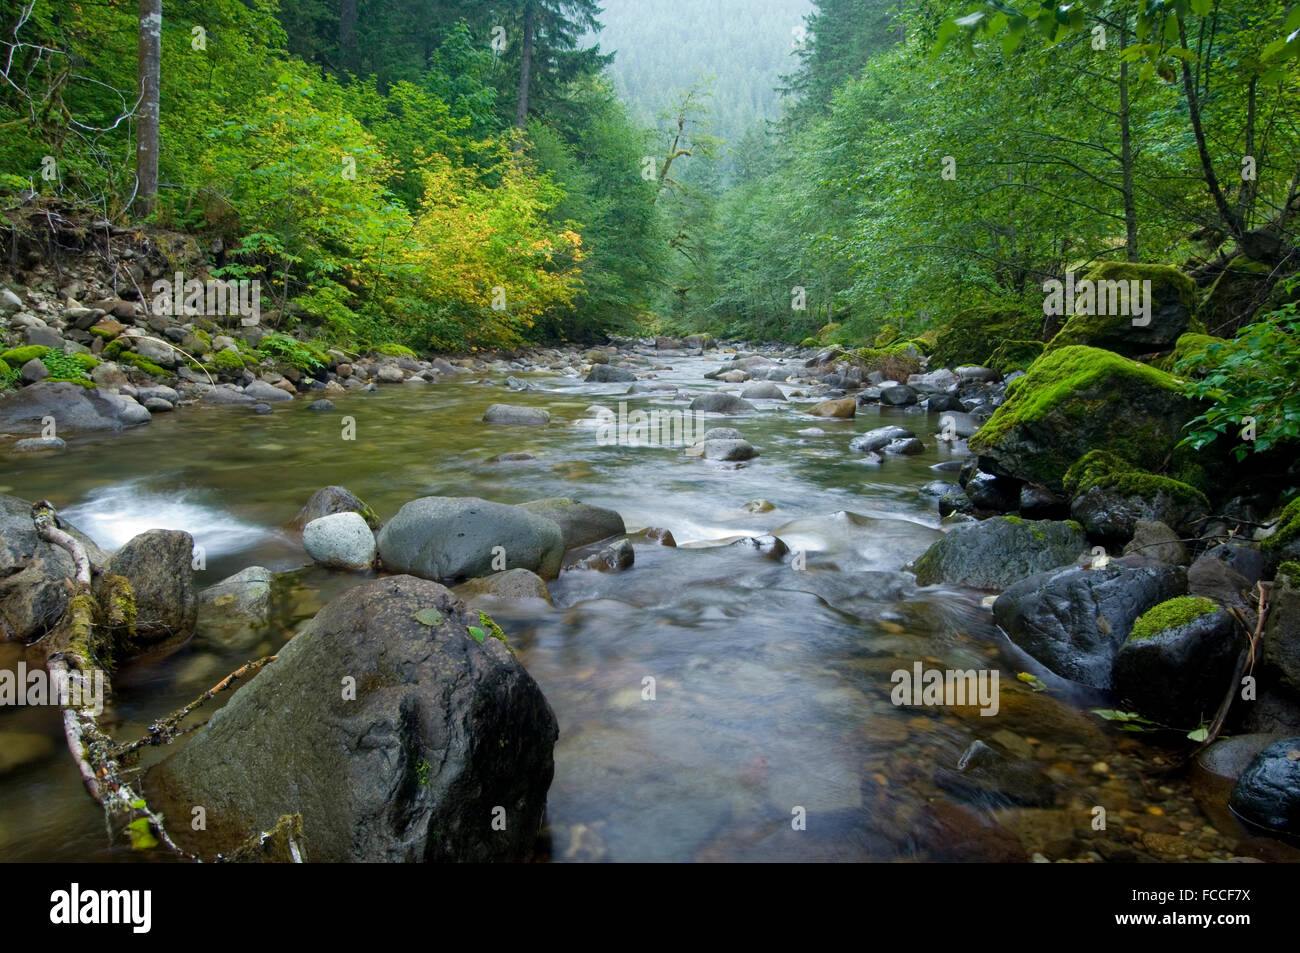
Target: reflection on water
[(706, 697)]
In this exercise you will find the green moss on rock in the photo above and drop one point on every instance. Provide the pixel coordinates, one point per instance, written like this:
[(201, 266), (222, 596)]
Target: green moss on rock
[(18, 356), (1288, 528), (140, 362), (1015, 356), (977, 332), (1098, 468), (1289, 572), (228, 360), (1173, 306), (1172, 614), (1076, 399)]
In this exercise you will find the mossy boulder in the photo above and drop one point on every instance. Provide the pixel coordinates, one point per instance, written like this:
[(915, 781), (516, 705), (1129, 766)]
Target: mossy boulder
[(1284, 543), (975, 333), (995, 553), (1078, 399), (1189, 345), (1177, 660), (1172, 306), (1015, 356), (1109, 497)]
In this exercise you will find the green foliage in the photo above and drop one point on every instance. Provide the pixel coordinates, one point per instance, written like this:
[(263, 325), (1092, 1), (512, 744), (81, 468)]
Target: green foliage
[(291, 351), (9, 376), (67, 367), (1255, 378)]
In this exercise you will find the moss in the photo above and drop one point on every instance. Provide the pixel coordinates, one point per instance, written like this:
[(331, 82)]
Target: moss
[(1188, 345), (1014, 519), (830, 334), (395, 350), (494, 630), (976, 332), (895, 366), (1015, 356), (1172, 614), (1290, 573), (1097, 468), (1288, 528), (118, 602), (19, 356), (140, 362), (106, 333), (87, 361), (228, 360), (887, 336), (1116, 330), (1084, 397), (808, 342)]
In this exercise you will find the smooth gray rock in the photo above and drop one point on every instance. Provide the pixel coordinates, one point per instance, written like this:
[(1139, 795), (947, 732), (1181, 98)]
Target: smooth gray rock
[(605, 374), (36, 444), (720, 403), (72, 406), (1267, 795), (580, 523), (235, 614), (261, 390), (340, 541), (516, 416), (439, 537), (159, 564), (997, 552), (333, 499)]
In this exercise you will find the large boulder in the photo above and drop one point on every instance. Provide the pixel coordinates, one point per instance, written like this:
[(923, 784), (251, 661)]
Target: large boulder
[(442, 537), (1074, 620), (159, 565), (329, 500), (997, 552), (72, 406), (1267, 795), (512, 587), (580, 523), (1172, 302), (1078, 399), (1110, 497), (1176, 661), (33, 574), (394, 730), (1280, 657)]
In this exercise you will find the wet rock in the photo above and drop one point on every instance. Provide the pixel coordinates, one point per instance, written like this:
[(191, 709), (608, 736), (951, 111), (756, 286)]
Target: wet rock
[(1281, 652), (995, 553), (615, 557), (758, 506), (907, 446), (879, 438), (33, 371), (1217, 769), (1157, 541), (942, 381), (267, 393), (510, 587), (1216, 579), (340, 541), (994, 494), (226, 394), (156, 405), (938, 488), (720, 403), (1267, 796), (900, 395), (987, 778), (333, 499), (73, 408), (773, 547), (1040, 503), (955, 424), (1074, 620), (321, 405), (438, 537), (943, 403), (516, 416), (721, 433), (580, 523), (604, 374), (950, 832), (159, 564), (444, 734), (390, 374), (1177, 676), (728, 450), (235, 613), (1109, 513)]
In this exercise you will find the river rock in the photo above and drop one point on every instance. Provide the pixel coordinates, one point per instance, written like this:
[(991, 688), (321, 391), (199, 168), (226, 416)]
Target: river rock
[(900, 395), (605, 374), (1177, 676), (1074, 620), (226, 394), (720, 403), (340, 541), (33, 574), (763, 390), (516, 416), (879, 438), (993, 493), (615, 557), (727, 450), (33, 371), (1173, 299), (261, 390), (333, 499), (580, 523), (906, 446), (443, 735), (37, 444), (159, 564), (1267, 795), (1280, 657), (73, 408), (511, 587), (439, 537), (995, 553), (235, 614), (844, 407)]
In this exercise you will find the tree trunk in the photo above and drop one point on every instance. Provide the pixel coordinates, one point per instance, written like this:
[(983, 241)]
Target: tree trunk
[(150, 66), (525, 67), (347, 36), (1126, 151)]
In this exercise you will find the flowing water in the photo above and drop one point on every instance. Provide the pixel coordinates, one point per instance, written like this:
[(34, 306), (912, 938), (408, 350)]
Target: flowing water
[(771, 684)]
